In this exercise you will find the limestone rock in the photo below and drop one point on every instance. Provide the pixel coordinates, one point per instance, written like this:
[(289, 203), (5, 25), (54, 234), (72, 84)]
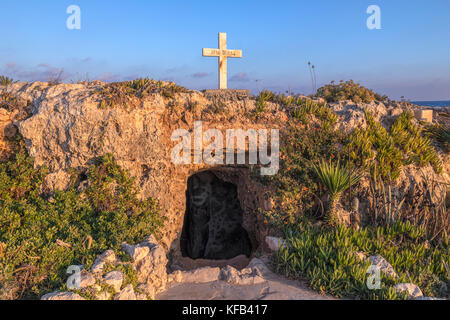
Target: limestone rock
[(244, 277), (152, 268), (275, 243), (106, 257), (414, 291), (126, 293), (114, 279), (201, 275), (384, 266), (62, 296), (86, 279), (141, 296), (259, 267), (135, 252), (147, 290)]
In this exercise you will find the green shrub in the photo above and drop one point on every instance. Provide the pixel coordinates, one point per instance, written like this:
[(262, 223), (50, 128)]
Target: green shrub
[(389, 151), (348, 90), (5, 81), (128, 93), (326, 257), (296, 183), (42, 236), (336, 178), (440, 134)]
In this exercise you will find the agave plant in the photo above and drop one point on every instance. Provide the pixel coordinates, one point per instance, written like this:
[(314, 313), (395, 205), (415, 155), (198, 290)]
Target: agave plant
[(336, 178), (4, 81)]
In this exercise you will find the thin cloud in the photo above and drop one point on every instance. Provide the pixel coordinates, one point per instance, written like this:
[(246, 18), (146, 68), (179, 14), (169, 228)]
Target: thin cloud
[(40, 72), (108, 77), (200, 75), (240, 77)]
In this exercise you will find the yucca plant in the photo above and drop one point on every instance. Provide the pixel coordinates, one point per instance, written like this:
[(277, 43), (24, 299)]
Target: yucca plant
[(5, 81), (336, 178)]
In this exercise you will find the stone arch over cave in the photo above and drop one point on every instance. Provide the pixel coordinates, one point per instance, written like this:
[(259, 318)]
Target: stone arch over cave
[(212, 227)]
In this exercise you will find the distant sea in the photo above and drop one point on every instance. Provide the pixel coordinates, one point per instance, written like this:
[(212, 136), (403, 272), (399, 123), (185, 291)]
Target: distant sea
[(441, 103)]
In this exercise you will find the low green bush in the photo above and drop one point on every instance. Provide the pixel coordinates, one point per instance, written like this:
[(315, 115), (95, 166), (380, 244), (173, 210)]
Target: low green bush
[(5, 81), (40, 236), (326, 257), (385, 152), (348, 90)]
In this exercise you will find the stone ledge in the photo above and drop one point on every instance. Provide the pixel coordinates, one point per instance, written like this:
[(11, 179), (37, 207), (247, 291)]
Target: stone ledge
[(228, 94)]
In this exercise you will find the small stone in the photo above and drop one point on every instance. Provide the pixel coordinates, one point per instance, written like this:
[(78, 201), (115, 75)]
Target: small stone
[(244, 277), (201, 275), (414, 291), (384, 266), (176, 276), (106, 257), (259, 267), (148, 290), (86, 279), (114, 279), (126, 293), (275, 243), (56, 295), (136, 252)]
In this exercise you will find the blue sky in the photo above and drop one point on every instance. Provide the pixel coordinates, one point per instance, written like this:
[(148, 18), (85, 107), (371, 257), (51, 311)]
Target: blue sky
[(121, 40)]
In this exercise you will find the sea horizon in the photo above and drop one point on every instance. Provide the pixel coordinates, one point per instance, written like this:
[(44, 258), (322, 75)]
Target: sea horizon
[(431, 103)]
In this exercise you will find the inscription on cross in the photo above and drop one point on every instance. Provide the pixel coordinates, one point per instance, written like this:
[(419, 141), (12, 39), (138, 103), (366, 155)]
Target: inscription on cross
[(223, 53)]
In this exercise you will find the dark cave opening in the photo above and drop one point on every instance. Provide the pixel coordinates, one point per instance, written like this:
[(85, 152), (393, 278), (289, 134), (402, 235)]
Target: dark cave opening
[(212, 226)]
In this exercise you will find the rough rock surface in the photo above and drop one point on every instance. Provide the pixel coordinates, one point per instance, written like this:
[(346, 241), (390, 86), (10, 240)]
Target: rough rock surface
[(414, 291), (241, 285), (244, 277), (62, 296), (114, 279), (107, 257), (384, 266), (201, 275), (126, 293)]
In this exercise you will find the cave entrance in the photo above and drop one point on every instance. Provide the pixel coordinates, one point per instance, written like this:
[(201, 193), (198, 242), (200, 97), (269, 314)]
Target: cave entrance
[(213, 221)]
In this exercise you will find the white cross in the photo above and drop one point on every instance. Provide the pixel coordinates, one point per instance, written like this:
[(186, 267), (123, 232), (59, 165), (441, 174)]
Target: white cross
[(223, 54)]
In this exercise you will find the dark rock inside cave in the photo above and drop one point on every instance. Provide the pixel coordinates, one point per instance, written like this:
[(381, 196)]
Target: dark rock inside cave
[(213, 222)]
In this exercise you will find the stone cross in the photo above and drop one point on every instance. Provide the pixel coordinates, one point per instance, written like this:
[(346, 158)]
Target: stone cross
[(223, 54)]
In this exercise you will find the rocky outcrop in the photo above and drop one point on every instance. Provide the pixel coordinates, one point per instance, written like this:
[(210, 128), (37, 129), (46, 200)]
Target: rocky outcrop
[(149, 265)]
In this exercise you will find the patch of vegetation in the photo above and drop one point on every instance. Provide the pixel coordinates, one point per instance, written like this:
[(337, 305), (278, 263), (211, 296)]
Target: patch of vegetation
[(11, 103), (6, 81), (128, 93), (348, 90), (326, 257), (440, 134), (385, 152), (295, 184), (41, 236), (218, 107), (336, 178)]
